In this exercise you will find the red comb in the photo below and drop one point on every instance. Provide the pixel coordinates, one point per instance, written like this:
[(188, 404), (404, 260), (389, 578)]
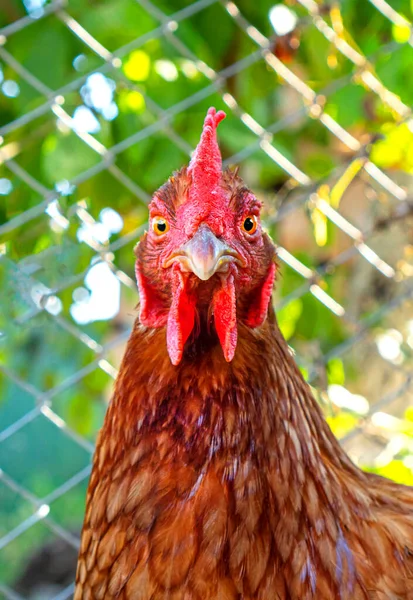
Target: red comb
[(206, 163)]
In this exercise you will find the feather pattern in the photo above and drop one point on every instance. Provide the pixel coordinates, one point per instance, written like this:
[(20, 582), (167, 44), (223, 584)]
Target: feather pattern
[(215, 480)]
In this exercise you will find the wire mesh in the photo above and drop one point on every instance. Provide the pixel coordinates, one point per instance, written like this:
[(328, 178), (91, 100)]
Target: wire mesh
[(34, 282)]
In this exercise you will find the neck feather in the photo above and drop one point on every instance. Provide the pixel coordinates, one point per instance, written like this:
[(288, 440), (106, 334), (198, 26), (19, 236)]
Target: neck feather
[(259, 403)]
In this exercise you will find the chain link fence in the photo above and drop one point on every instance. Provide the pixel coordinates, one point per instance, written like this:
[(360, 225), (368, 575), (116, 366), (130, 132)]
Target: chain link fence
[(344, 233)]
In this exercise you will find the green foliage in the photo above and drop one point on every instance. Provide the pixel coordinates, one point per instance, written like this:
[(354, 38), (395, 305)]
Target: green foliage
[(335, 372), (342, 423), (395, 470), (396, 149), (288, 317)]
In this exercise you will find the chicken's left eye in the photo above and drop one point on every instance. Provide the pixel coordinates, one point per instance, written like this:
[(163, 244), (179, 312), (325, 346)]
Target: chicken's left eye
[(160, 225), (249, 224)]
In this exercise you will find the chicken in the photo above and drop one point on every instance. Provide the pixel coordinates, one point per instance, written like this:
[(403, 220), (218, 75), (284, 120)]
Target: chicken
[(215, 476)]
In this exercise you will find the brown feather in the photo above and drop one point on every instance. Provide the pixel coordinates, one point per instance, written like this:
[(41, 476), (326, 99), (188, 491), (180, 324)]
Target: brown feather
[(215, 480)]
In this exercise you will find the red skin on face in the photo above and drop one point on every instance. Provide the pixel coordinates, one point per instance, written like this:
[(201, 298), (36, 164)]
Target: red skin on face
[(205, 200), (181, 317)]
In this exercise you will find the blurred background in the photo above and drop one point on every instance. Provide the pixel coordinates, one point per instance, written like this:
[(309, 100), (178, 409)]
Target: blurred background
[(100, 100)]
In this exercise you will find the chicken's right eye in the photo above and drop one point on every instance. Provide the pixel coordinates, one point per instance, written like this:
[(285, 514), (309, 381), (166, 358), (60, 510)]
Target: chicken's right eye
[(160, 225)]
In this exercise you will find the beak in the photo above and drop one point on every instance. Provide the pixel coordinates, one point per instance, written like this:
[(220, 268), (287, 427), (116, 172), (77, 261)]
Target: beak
[(204, 255)]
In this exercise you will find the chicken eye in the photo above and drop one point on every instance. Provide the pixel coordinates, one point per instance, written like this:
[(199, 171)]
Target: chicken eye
[(250, 224), (160, 225)]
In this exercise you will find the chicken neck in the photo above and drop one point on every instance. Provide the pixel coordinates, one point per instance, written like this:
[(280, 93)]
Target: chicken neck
[(258, 408)]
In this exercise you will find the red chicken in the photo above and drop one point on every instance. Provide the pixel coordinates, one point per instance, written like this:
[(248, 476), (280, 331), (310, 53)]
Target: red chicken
[(215, 475)]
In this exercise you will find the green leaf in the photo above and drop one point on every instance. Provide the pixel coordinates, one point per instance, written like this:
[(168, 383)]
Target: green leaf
[(395, 470), (335, 371), (401, 33), (288, 317), (342, 423)]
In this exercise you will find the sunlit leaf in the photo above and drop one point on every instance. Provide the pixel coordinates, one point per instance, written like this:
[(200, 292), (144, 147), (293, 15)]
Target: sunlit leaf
[(138, 65), (396, 149), (335, 371), (320, 226), (395, 470), (342, 423), (401, 33), (408, 414), (132, 101), (304, 372), (344, 181)]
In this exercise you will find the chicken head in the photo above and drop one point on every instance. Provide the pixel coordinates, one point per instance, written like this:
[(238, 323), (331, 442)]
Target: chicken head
[(205, 254)]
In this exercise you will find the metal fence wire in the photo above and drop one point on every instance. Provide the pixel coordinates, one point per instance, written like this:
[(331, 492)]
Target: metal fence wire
[(58, 363)]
